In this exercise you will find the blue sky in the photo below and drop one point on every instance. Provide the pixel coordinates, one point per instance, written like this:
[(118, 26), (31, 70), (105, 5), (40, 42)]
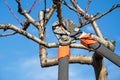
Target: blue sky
[(19, 56)]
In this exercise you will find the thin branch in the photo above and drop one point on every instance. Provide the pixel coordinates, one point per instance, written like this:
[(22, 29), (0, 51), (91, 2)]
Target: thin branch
[(24, 13), (79, 10), (12, 12), (105, 13), (79, 16), (70, 7), (86, 10), (32, 7), (91, 18), (50, 13), (9, 34), (88, 5), (26, 23), (98, 17), (88, 17)]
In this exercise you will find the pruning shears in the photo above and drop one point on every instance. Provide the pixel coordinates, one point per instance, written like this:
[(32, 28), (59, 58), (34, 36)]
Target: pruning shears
[(69, 34)]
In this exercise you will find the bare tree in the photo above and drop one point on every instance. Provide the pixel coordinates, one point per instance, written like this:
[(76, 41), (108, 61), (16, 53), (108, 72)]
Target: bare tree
[(45, 15)]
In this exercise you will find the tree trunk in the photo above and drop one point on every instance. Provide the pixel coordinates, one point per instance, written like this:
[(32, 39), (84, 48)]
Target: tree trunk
[(99, 67), (42, 36)]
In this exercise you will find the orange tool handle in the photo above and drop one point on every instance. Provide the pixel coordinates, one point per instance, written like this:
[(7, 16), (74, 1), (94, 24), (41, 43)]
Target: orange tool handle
[(63, 51), (86, 40)]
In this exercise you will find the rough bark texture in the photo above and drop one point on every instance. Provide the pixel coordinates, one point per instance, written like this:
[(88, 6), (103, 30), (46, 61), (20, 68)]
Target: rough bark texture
[(99, 67)]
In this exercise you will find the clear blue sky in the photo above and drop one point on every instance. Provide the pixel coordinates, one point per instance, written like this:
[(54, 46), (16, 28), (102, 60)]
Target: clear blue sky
[(19, 56)]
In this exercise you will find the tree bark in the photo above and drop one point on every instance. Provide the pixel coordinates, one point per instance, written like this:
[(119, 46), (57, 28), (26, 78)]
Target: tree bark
[(99, 67), (42, 36)]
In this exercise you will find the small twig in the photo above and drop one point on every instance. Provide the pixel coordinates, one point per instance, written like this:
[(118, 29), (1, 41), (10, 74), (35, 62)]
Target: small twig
[(32, 7), (98, 17), (79, 17), (70, 7), (98, 13), (12, 12), (91, 18), (86, 10), (87, 7), (110, 10), (9, 34)]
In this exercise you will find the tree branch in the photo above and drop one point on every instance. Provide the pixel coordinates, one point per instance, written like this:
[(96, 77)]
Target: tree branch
[(12, 12), (88, 17), (70, 7), (51, 45), (95, 25), (26, 14), (59, 12), (86, 9), (9, 34), (48, 16), (79, 10), (91, 18), (97, 30), (105, 13), (33, 5), (24, 33), (73, 59)]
